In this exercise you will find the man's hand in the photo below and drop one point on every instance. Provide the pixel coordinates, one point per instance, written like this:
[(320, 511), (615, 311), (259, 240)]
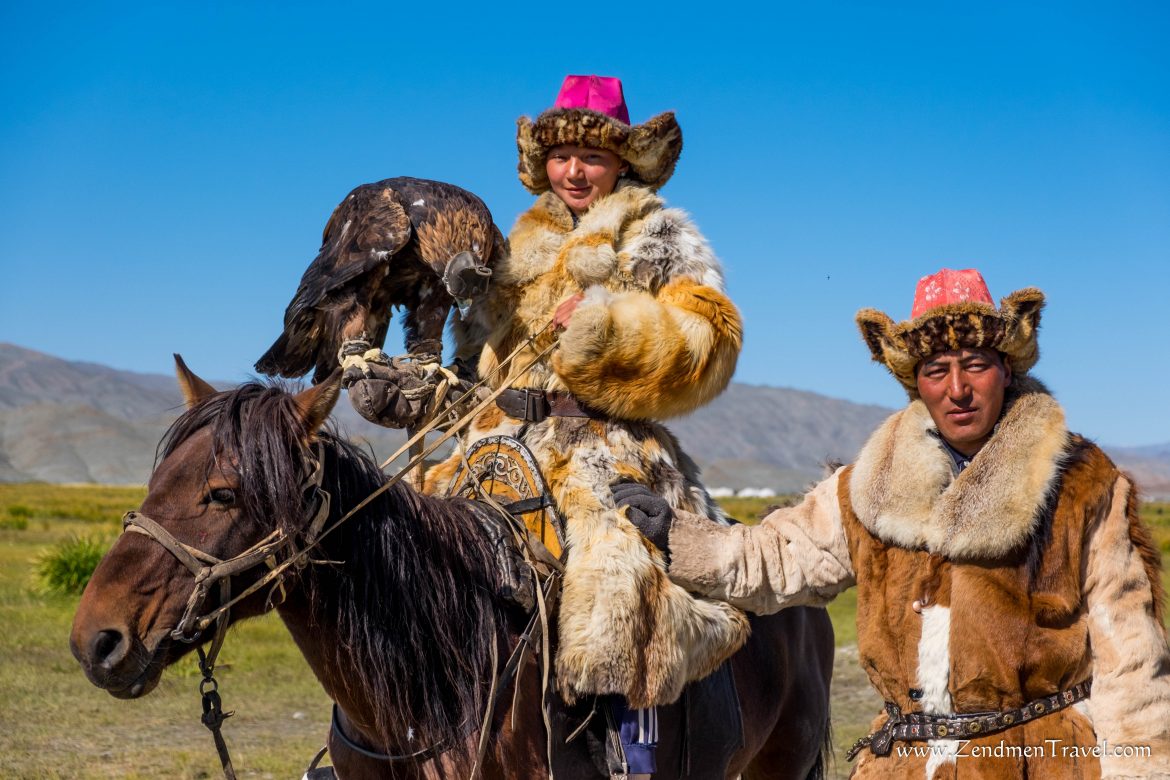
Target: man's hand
[(649, 512), (565, 311)]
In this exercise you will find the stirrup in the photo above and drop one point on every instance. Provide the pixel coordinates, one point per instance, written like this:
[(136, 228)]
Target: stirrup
[(315, 772), (615, 754)]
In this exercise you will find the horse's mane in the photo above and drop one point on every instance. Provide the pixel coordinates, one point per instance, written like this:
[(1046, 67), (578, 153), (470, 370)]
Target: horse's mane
[(412, 595)]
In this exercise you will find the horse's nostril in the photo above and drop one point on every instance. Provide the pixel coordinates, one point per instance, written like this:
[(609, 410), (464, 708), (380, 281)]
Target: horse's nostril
[(108, 647)]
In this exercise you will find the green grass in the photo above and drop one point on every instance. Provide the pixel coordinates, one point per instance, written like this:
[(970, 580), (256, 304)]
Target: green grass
[(57, 725), (67, 567), (86, 503), (66, 728), (1157, 518), (752, 510)]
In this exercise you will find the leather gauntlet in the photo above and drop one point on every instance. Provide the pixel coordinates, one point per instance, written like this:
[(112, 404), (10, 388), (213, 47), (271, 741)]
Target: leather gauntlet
[(390, 397), (399, 394)]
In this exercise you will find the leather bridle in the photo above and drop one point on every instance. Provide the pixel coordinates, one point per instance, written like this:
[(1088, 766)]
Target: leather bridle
[(211, 572)]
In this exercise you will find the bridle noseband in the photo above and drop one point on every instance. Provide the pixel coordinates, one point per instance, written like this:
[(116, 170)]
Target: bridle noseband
[(210, 572)]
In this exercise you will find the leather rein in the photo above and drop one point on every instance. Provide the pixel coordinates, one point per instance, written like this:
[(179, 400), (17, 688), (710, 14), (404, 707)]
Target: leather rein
[(210, 571)]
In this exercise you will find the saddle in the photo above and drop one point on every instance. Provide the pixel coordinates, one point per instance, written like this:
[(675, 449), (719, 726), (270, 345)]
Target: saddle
[(499, 472)]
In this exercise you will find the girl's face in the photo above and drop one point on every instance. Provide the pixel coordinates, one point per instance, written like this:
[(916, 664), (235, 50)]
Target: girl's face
[(580, 175)]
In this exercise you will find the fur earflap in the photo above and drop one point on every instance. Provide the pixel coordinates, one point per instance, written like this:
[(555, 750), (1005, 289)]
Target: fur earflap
[(652, 149), (877, 329), (1011, 330), (1021, 314)]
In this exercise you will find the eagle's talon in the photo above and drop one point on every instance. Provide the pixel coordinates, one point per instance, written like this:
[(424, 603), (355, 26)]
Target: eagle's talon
[(352, 347), (357, 359), (377, 356), (365, 365)]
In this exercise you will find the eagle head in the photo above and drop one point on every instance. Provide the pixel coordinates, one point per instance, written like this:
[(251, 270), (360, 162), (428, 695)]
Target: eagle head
[(466, 277)]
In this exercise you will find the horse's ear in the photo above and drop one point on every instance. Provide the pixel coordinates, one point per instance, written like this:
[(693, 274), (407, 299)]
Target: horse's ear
[(315, 403), (193, 388)]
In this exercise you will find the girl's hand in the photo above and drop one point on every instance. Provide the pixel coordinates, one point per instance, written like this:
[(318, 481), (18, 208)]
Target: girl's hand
[(565, 311)]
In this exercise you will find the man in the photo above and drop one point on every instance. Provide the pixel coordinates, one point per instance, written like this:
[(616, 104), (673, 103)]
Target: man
[(1000, 563)]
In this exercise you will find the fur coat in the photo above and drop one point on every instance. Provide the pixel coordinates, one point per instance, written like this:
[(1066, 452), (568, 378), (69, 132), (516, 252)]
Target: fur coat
[(1023, 575), (655, 336)]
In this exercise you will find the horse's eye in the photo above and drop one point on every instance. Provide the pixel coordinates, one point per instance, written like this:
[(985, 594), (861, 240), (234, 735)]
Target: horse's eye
[(223, 496)]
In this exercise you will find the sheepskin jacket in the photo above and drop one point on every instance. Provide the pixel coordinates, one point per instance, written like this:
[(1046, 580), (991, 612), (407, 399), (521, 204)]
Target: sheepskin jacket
[(655, 336), (1021, 576)]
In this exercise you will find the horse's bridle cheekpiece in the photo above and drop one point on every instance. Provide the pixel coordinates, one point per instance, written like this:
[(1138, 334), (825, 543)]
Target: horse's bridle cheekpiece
[(210, 571)]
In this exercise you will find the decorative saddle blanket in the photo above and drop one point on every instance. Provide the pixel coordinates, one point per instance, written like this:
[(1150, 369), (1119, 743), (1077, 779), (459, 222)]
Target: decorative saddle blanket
[(503, 468)]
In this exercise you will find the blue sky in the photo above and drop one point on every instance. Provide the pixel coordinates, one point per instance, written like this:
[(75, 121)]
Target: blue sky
[(166, 169)]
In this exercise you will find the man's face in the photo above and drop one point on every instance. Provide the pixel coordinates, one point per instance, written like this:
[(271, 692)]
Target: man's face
[(963, 390)]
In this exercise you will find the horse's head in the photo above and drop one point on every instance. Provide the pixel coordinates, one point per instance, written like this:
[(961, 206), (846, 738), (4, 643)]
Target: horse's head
[(232, 471)]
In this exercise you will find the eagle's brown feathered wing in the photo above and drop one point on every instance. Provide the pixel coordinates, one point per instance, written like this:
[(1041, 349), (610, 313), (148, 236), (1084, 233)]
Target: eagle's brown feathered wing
[(384, 246)]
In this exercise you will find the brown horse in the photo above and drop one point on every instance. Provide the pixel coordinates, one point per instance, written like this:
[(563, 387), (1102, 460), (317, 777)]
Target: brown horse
[(399, 618)]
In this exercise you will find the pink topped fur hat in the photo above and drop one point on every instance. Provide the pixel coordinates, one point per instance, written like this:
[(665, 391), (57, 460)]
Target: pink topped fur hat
[(591, 111), (952, 310)]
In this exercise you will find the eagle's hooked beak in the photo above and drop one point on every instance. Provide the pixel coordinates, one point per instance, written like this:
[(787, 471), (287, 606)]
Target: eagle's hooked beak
[(465, 278)]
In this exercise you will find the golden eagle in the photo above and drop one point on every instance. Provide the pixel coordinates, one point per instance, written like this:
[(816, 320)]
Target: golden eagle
[(420, 244)]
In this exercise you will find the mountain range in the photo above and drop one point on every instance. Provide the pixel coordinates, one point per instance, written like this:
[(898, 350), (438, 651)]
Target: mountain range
[(69, 421)]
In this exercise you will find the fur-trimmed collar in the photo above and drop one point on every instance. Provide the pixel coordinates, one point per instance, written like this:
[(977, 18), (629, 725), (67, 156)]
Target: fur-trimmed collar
[(628, 200), (903, 491), (547, 230)]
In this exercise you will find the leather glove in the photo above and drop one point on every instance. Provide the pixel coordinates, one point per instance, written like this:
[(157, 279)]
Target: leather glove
[(388, 396), (516, 583), (649, 512)]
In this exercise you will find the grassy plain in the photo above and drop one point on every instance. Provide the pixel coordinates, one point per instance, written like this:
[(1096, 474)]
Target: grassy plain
[(56, 725)]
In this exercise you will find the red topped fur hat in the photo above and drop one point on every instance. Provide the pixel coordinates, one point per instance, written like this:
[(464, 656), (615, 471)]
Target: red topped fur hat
[(952, 310), (591, 111)]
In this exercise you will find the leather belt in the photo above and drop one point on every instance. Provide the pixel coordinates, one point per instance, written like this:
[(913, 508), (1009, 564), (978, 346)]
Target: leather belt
[(536, 405), (919, 726)]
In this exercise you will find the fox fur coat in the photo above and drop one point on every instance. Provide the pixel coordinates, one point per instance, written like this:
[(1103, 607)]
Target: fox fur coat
[(655, 336), (1021, 576)]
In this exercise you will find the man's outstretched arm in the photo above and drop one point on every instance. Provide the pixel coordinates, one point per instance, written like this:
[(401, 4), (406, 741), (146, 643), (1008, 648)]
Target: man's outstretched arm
[(796, 556)]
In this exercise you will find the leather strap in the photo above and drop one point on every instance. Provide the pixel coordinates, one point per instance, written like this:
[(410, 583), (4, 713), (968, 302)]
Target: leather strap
[(919, 726), (532, 634), (536, 405)]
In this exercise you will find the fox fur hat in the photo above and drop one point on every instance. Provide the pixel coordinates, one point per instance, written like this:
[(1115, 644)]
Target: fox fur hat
[(591, 111), (953, 310)]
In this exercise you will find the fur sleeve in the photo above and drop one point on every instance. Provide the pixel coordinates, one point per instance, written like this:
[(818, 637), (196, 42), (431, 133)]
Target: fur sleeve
[(1130, 703), (638, 356), (796, 556)]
